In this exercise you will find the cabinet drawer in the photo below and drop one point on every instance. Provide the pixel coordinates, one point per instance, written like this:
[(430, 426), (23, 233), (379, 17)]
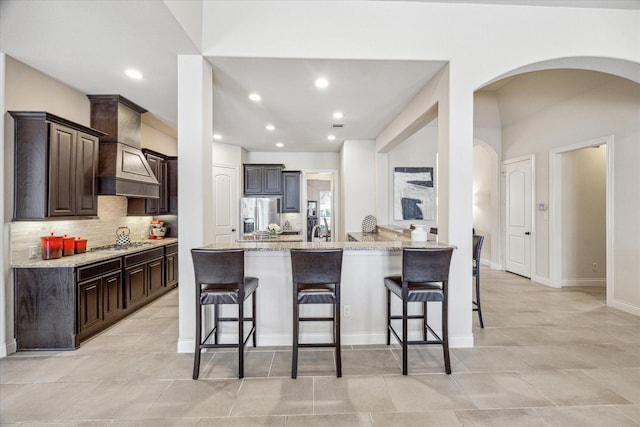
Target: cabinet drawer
[(99, 269), (171, 249), (139, 257)]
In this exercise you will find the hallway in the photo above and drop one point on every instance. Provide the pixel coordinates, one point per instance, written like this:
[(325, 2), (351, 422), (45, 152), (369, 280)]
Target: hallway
[(547, 357)]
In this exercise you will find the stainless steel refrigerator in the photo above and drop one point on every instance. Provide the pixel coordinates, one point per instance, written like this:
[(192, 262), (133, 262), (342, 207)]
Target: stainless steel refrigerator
[(258, 212)]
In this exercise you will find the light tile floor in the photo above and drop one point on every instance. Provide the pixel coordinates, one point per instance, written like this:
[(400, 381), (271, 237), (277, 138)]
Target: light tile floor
[(547, 357)]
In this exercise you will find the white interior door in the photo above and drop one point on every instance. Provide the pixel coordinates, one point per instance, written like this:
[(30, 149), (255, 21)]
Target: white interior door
[(225, 199), (518, 217)]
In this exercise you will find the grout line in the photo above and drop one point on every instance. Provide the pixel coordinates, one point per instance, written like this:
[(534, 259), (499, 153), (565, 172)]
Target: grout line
[(273, 358), (313, 395), (236, 399)]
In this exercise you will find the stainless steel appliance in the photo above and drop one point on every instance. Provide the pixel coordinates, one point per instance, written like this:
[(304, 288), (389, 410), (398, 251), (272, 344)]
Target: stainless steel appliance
[(258, 212)]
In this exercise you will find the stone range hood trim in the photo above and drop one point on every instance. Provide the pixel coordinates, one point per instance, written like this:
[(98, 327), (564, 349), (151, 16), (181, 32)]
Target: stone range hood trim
[(123, 169)]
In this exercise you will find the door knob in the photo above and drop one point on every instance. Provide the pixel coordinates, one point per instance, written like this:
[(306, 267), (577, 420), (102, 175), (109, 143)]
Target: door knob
[(527, 233), (233, 229)]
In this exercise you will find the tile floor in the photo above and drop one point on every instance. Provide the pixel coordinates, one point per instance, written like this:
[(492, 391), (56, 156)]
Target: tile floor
[(546, 357)]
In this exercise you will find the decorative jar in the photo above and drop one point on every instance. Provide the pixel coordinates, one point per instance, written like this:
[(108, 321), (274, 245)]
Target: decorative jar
[(419, 234)]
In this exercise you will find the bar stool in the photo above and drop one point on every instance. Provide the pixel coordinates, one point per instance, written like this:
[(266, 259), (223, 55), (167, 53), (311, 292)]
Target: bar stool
[(316, 280), (220, 279), (477, 247), (425, 276)]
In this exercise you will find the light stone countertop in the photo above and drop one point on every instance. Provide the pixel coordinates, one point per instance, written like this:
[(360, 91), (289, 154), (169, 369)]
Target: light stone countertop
[(275, 239), (390, 246), (89, 257)]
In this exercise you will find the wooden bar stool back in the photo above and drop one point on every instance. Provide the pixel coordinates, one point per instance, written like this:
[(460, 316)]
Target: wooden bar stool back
[(316, 280), (425, 277), (220, 279)]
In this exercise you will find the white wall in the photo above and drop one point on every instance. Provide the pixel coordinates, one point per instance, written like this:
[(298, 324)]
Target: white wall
[(5, 270), (485, 173), (302, 161), (583, 219), (157, 140), (612, 108), (228, 155), (357, 195), (419, 150)]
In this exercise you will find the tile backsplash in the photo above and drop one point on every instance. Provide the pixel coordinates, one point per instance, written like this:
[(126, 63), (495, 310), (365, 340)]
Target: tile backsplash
[(112, 213)]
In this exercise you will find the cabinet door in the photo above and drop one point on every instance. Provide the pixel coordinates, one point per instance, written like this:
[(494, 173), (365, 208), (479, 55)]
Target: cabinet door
[(163, 201), (112, 295), (272, 180), (291, 192), (253, 179), (62, 180), (135, 284), (171, 263), (172, 184), (90, 314), (86, 172), (153, 205), (156, 275)]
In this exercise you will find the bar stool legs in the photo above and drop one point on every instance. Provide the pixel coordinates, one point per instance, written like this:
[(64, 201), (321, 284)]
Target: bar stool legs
[(425, 274), (316, 277), (220, 280)]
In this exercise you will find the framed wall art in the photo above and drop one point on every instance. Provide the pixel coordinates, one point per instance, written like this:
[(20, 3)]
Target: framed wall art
[(414, 196)]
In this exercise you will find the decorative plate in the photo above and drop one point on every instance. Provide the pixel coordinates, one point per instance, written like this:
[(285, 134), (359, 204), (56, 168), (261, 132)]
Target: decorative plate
[(369, 224)]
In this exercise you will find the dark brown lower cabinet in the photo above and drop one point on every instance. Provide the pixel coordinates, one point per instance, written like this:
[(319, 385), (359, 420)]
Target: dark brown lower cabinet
[(57, 308), (156, 275), (99, 296), (143, 277), (135, 282), (171, 265)]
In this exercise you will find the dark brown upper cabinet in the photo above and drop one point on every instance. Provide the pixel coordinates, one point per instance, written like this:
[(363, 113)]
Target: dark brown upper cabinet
[(291, 191), (55, 167), (262, 179), (165, 169)]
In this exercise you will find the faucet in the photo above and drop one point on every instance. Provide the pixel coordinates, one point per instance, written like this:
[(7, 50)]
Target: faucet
[(313, 232)]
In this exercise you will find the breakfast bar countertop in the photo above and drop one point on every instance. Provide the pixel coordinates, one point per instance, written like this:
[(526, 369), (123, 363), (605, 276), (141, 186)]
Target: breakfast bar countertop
[(387, 245), (279, 238)]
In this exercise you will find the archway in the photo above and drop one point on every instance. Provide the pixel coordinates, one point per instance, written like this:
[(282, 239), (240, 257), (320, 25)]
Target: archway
[(607, 104)]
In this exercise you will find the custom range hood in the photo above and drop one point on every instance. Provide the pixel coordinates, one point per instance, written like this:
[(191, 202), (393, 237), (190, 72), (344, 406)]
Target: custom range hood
[(122, 168)]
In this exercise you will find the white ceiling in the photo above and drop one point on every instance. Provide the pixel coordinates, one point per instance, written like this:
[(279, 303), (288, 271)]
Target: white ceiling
[(88, 44), (369, 93)]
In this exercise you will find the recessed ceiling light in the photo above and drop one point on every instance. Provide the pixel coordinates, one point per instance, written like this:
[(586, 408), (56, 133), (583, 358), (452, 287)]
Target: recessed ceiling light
[(133, 74), (217, 136), (338, 115), (331, 137), (255, 97), (279, 144), (270, 127), (322, 83)]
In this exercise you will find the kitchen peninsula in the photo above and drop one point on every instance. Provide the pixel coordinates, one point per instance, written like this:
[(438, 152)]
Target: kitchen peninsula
[(363, 296)]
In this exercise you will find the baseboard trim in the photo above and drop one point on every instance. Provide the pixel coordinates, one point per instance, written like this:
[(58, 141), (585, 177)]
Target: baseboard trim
[(585, 282), (186, 345), (280, 340), (496, 266), (632, 309), (543, 281), (8, 348)]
